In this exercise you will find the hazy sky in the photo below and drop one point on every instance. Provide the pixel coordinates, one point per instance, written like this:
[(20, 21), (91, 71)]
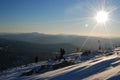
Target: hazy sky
[(59, 16)]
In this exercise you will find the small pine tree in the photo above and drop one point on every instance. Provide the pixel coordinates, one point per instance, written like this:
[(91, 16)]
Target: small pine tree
[(36, 59)]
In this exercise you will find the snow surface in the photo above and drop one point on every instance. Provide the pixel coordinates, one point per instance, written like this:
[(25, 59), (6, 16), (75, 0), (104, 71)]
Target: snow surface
[(97, 68)]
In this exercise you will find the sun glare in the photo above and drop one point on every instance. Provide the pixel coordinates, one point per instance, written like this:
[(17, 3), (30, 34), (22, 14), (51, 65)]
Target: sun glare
[(101, 17)]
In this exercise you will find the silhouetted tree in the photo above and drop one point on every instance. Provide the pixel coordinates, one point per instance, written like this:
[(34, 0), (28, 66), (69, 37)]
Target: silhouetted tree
[(62, 52), (36, 59)]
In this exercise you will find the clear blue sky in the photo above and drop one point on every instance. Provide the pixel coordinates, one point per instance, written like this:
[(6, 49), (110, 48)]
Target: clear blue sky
[(58, 16)]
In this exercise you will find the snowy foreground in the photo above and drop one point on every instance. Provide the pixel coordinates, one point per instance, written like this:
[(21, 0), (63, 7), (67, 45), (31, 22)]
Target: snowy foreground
[(98, 68)]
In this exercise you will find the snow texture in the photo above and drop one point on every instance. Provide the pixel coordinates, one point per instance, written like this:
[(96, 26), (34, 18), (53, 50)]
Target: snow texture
[(102, 67)]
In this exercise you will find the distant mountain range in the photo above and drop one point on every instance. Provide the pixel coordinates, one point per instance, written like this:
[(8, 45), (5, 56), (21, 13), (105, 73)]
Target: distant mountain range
[(75, 40), (42, 38)]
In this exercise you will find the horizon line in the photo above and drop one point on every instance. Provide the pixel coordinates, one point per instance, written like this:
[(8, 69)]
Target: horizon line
[(58, 34)]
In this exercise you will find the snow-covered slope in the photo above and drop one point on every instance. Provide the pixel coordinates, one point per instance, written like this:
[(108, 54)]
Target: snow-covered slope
[(97, 68)]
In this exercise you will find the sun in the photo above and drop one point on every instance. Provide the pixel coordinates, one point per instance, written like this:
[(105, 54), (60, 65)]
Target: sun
[(101, 16)]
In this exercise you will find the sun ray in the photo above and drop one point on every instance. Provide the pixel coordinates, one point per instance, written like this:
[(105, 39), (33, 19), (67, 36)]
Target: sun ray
[(87, 38), (109, 36)]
